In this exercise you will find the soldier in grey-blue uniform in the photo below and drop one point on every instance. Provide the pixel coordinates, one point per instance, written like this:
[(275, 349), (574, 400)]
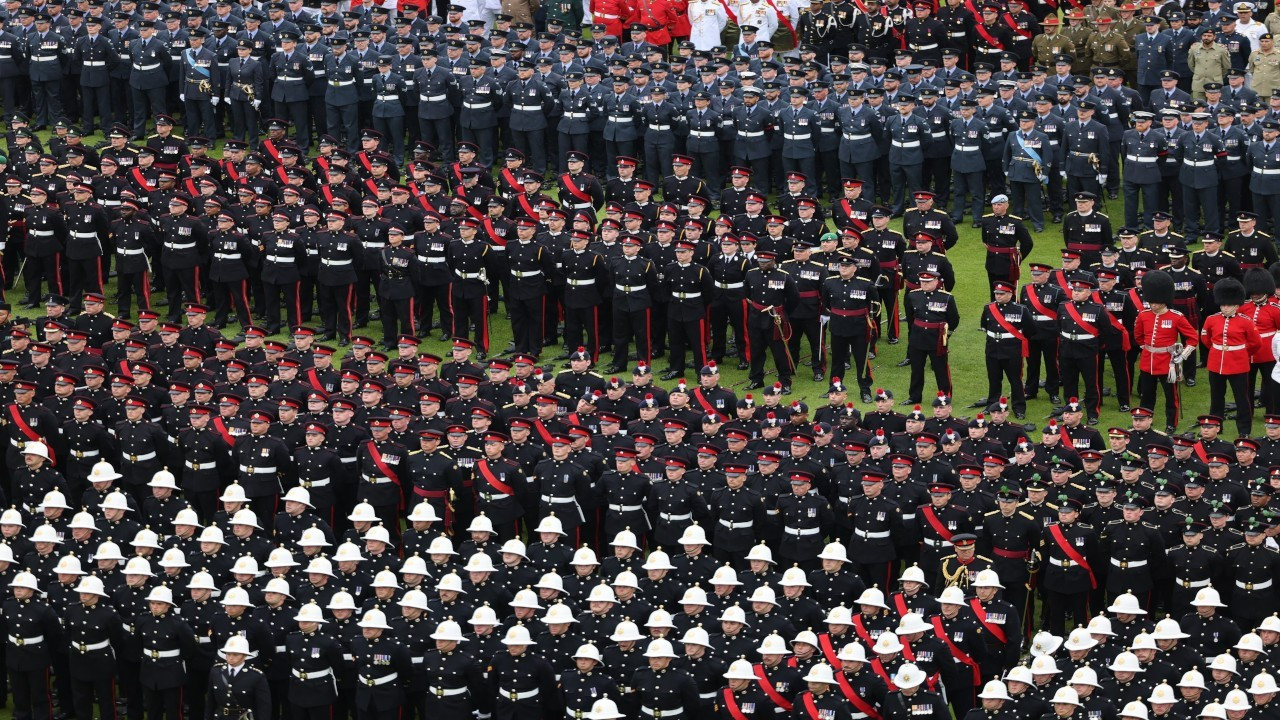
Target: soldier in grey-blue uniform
[(1086, 145), (388, 110), (703, 143), (261, 43), (1263, 159), (318, 55), (752, 123), (368, 61), (1199, 151), (1233, 174), (860, 132), (827, 138), (1140, 149), (96, 57), (437, 90), (10, 71), (290, 73), (937, 157), (47, 54), (149, 62), (405, 63), (201, 86), (482, 95), (177, 39), (243, 87), (621, 110), (1052, 124), (342, 98), (530, 103), (968, 162), (122, 36), (660, 118), (578, 108), (1026, 160), (908, 135), (223, 46), (799, 127)]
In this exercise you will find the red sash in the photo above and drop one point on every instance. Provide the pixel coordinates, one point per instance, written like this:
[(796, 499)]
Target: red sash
[(1055, 531), (140, 178), (697, 395), (543, 432), (1120, 328), (1008, 327), (230, 169), (1038, 304), (489, 477), (786, 21), (878, 668), (327, 191), (457, 173), (731, 704), (959, 654), (493, 234), (315, 380), (510, 177), (848, 212), (973, 10), (1013, 25), (220, 426), (1075, 315), (1065, 437), (1136, 297), (900, 602), (810, 708), (861, 630), (767, 686), (931, 517), (324, 163), (829, 650), (373, 187), (21, 423), (376, 455), (270, 147), (996, 631), (1200, 452), (863, 706), (284, 176), (986, 35), (573, 188), (191, 187), (523, 199), (366, 163)]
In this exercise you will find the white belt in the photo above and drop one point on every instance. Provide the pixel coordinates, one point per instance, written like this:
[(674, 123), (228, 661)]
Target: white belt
[(580, 283), (938, 134), (855, 136), (389, 98), (957, 35), (158, 654), (417, 660), (968, 148), (1078, 336), (282, 648), (1135, 158), (516, 107), (84, 453), (257, 470), (132, 251), (918, 48), (379, 681), (576, 116), (913, 143), (85, 235), (630, 288), (127, 628), (1198, 163), (757, 133), (661, 713), (1253, 586), (432, 259), (561, 500), (908, 516), (475, 106), (706, 696), (1191, 583), (447, 692), (373, 245), (200, 466), (675, 518), (205, 640), (1261, 171), (525, 273), (626, 508), (871, 535), (729, 286), (280, 259), (686, 296), (659, 127), (180, 246), (20, 641), (226, 256), (490, 497), (1042, 318), (1061, 563), (342, 83), (621, 119), (44, 58), (605, 17), (469, 276), (1126, 564), (288, 79), (93, 63), (1000, 335), (430, 98), (702, 133), (312, 675), (931, 542), (322, 482), (140, 458), (737, 525), (801, 531), (1226, 348), (790, 136), (41, 233), (144, 68), (514, 695), (376, 480), (325, 261), (1267, 334)]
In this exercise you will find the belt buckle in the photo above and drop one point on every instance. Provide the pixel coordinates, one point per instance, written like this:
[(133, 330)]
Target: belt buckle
[(20, 641), (82, 647), (369, 681), (133, 458), (305, 483), (513, 696), (1186, 583), (439, 692), (250, 470), (195, 466), (155, 654), (1066, 563), (1124, 564), (577, 714), (302, 675), (657, 713), (488, 497), (1248, 586)]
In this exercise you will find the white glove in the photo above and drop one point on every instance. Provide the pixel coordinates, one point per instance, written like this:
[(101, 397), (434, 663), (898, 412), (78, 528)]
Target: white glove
[(1102, 178), (213, 101), (826, 318), (182, 97), (1063, 173), (257, 104)]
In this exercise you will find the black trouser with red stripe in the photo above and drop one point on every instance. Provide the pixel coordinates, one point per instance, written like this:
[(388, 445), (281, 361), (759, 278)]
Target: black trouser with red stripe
[(432, 297), (1147, 396), (684, 335), (163, 704), (47, 269), (469, 310), (85, 276), (397, 317), (1119, 360), (231, 295), (852, 350), (810, 329), (941, 372), (1239, 384), (31, 697), (728, 313), (337, 308), (580, 322), (183, 285), (1079, 365), (527, 316), (85, 692), (1000, 369), (1043, 347), (628, 325), (271, 304)]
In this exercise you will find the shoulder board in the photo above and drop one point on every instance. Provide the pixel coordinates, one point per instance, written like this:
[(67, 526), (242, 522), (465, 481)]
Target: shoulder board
[(1086, 526), (989, 513), (984, 557), (1015, 217), (596, 374), (1114, 522), (1236, 547), (1235, 532), (989, 215), (1147, 524), (415, 452), (1025, 514)]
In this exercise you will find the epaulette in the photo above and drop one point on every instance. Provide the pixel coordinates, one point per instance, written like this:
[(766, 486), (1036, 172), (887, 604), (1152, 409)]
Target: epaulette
[(1147, 524), (1117, 521), (1015, 217), (1087, 526), (1159, 432), (1026, 515), (984, 557), (415, 452), (989, 215), (1237, 546), (593, 372), (989, 513), (1176, 511)]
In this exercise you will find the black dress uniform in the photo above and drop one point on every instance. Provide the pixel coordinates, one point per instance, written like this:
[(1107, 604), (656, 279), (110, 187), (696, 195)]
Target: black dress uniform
[(468, 288), (313, 659), (92, 633), (853, 307), (1008, 326), (165, 639), (933, 316), (34, 633), (234, 692), (523, 686), (771, 295)]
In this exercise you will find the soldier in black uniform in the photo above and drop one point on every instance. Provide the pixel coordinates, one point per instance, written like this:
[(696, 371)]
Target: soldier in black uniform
[(932, 316), (1008, 326), (1080, 321), (635, 279), (852, 304), (165, 639), (237, 689), (688, 286), (34, 634), (771, 295), (313, 658), (468, 260)]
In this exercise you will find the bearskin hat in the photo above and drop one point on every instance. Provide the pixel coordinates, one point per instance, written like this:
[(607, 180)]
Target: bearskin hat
[(1157, 287), (1259, 282), (1228, 291)]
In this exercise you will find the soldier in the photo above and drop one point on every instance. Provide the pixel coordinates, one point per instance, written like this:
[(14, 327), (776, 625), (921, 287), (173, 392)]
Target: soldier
[(852, 305), (149, 78), (164, 640), (1007, 241), (932, 316), (1207, 60), (1025, 165), (1232, 339), (1199, 152), (244, 86), (1079, 320), (45, 51), (342, 95), (1007, 325), (520, 681), (380, 663), (771, 295), (33, 631), (909, 136), (95, 57), (235, 687), (1141, 149), (968, 161), (1086, 149), (482, 97)]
